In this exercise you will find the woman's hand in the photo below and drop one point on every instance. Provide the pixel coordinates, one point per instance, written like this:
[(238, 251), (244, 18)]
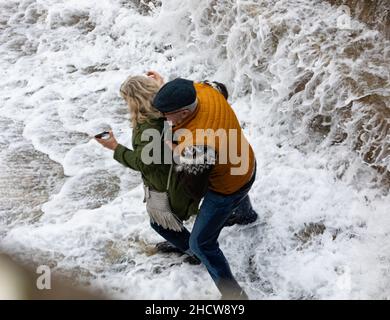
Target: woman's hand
[(156, 76), (109, 143)]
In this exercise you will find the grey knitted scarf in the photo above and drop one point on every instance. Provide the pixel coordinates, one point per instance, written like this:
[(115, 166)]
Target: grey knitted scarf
[(159, 209)]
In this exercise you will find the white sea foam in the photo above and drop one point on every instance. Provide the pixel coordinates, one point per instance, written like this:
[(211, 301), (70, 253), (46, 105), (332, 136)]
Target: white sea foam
[(297, 82)]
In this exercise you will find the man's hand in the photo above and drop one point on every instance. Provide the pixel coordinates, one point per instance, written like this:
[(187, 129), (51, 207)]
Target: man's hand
[(109, 143), (156, 76)]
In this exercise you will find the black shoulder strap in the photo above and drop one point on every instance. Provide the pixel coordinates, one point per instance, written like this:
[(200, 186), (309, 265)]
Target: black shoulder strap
[(218, 86)]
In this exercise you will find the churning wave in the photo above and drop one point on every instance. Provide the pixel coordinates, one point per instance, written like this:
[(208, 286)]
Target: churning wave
[(312, 96)]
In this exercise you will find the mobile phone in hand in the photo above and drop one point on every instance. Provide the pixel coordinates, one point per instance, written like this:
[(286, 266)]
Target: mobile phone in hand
[(103, 135)]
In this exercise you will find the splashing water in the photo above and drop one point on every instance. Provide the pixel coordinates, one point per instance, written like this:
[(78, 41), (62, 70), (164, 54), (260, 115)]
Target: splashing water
[(313, 99)]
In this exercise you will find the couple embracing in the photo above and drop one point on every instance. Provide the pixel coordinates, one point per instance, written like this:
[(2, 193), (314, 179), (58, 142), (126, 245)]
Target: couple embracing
[(208, 159)]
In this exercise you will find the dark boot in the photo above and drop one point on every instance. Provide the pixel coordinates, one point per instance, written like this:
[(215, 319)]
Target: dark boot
[(244, 214), (167, 247), (241, 219), (192, 260)]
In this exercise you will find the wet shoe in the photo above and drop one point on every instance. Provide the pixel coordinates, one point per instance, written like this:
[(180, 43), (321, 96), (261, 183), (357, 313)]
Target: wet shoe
[(241, 219), (167, 247), (192, 260)]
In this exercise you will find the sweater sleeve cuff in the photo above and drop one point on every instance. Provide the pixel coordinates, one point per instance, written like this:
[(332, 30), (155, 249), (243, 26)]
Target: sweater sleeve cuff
[(118, 152)]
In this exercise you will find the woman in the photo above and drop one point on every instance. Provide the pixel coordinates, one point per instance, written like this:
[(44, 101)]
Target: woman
[(138, 92)]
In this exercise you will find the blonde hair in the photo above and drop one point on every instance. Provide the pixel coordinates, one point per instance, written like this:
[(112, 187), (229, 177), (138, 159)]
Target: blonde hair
[(138, 92)]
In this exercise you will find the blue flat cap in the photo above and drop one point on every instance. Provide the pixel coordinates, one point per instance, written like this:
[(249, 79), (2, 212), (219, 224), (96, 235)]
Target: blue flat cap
[(174, 95)]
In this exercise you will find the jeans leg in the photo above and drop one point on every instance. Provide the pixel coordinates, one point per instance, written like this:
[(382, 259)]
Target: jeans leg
[(178, 239), (204, 240)]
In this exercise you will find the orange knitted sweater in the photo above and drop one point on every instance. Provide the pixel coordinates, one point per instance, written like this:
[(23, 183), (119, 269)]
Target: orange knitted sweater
[(215, 124)]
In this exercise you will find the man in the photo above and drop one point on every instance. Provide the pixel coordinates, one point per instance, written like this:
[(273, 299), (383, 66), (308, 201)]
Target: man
[(190, 107)]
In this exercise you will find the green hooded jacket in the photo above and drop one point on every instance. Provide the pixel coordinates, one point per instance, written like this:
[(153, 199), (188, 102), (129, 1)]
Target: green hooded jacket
[(156, 175)]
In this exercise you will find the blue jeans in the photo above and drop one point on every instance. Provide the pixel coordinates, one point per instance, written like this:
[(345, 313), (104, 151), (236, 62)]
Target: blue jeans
[(203, 240)]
